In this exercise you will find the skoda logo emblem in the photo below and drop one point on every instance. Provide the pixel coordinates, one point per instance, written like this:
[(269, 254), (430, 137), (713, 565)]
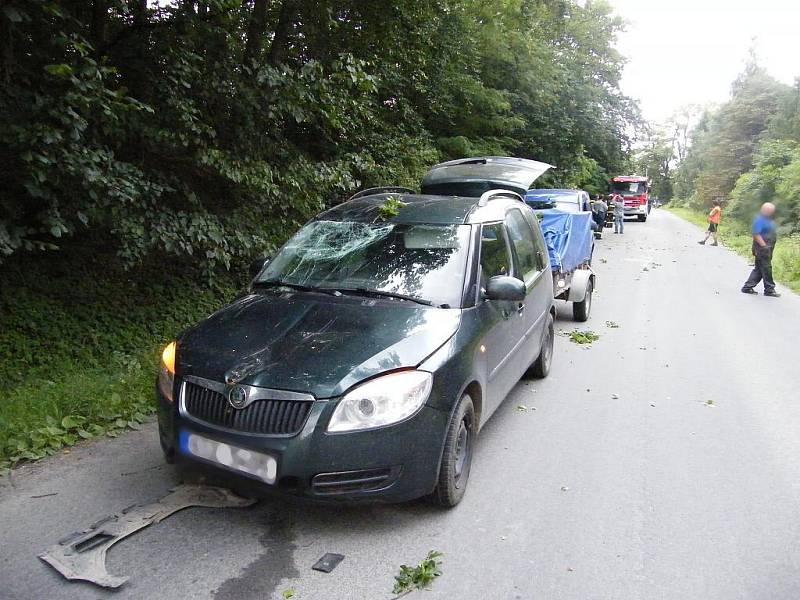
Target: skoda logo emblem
[(237, 396)]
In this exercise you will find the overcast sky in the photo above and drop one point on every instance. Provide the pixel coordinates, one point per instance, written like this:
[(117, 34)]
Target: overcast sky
[(690, 51)]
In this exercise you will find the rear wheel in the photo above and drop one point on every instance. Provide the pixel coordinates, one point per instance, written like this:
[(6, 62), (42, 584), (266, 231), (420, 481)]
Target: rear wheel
[(581, 310), (457, 455), (541, 368)]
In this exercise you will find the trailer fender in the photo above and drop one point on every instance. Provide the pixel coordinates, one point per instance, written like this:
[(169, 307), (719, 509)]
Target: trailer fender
[(579, 284)]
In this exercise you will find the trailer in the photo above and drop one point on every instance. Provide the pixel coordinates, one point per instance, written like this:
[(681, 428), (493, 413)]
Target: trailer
[(570, 244)]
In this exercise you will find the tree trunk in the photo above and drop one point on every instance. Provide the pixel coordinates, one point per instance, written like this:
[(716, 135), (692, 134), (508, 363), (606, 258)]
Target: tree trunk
[(277, 50), (139, 12), (98, 25), (256, 31)]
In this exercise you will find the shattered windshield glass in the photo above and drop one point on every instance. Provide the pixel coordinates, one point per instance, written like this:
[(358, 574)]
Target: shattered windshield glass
[(421, 261)]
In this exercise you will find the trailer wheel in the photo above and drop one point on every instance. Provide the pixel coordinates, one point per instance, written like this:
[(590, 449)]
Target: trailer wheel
[(581, 310)]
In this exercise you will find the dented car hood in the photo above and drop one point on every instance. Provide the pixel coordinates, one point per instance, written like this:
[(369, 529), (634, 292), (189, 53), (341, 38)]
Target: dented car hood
[(312, 343)]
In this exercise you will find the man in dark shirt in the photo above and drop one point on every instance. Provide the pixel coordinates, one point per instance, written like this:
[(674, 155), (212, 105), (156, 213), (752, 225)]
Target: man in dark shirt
[(764, 238)]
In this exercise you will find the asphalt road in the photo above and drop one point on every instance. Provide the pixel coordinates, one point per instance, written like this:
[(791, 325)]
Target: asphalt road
[(662, 461)]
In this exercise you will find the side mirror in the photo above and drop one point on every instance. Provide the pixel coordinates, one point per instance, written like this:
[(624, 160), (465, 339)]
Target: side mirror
[(503, 287), (257, 264)]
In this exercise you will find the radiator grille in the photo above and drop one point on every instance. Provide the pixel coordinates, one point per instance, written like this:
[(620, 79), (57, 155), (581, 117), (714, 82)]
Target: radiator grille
[(268, 417)]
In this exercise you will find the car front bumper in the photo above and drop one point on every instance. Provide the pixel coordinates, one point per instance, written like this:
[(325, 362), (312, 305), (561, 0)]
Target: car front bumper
[(393, 463)]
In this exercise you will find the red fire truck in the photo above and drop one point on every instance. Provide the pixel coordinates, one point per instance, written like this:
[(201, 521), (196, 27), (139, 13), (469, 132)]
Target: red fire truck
[(634, 190)]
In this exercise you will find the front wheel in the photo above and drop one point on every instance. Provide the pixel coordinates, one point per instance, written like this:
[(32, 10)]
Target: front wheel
[(457, 455), (581, 310), (541, 368), (642, 218)]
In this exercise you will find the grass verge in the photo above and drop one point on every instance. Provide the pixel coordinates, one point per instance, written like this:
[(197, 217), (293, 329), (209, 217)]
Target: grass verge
[(79, 345), (736, 236)]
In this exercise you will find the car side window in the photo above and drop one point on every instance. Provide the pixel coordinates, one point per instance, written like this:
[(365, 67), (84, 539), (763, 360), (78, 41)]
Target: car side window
[(538, 238), (495, 255), (524, 242)]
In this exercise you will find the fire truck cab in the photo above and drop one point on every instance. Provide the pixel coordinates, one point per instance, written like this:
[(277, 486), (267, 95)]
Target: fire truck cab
[(635, 192)]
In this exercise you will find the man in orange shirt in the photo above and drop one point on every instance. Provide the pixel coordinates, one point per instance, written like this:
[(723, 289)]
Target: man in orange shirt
[(714, 217)]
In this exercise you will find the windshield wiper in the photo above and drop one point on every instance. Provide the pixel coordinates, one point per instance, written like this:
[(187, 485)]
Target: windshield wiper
[(295, 286), (370, 292), (335, 291)]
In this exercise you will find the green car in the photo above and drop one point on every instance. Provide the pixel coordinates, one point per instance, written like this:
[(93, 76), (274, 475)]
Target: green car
[(367, 354)]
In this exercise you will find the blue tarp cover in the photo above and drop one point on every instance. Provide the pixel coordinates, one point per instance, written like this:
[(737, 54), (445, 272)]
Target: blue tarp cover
[(569, 238)]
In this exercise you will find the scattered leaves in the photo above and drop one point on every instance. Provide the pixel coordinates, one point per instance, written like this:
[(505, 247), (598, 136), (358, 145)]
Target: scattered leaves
[(582, 337), (288, 593), (419, 577)]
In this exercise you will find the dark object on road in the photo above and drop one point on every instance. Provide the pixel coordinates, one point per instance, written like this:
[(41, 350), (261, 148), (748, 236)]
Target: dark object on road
[(765, 236), (82, 555), (328, 563), (367, 354)]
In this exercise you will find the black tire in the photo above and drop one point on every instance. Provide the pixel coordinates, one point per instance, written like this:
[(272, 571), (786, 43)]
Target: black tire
[(642, 218), (541, 368), (168, 452), (581, 310), (457, 456)]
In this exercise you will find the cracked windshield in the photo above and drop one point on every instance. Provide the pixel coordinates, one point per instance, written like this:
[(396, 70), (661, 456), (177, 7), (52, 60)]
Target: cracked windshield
[(425, 262)]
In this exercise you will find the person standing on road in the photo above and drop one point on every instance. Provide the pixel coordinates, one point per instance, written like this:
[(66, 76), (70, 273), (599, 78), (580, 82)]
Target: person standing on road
[(599, 211), (714, 217), (764, 237), (619, 213)]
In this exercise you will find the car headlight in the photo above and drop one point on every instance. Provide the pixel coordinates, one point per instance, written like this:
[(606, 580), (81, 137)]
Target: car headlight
[(382, 401), (166, 371)]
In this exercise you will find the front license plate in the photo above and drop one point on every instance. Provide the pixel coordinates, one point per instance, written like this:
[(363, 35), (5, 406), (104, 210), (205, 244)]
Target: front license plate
[(258, 465)]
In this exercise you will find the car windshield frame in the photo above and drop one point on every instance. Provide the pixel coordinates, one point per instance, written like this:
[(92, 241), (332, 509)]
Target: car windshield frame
[(425, 262)]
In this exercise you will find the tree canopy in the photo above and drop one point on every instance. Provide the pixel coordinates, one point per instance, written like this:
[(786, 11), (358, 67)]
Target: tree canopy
[(746, 151), (212, 129)]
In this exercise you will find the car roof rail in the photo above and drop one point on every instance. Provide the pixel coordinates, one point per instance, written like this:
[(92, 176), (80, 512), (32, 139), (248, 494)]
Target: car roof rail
[(492, 194), (384, 189)]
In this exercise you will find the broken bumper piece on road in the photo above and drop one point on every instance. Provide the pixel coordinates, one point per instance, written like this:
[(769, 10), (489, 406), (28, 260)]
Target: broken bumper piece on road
[(82, 555)]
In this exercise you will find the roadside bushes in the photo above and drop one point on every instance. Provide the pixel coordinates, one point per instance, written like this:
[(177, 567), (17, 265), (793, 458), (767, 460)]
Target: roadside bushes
[(79, 341)]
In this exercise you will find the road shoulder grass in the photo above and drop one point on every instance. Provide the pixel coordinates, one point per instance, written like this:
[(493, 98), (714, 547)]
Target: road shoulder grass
[(734, 235), (79, 346)]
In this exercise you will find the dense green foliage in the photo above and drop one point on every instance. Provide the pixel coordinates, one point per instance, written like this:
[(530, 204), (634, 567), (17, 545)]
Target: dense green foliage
[(147, 150), (213, 129), (79, 340)]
